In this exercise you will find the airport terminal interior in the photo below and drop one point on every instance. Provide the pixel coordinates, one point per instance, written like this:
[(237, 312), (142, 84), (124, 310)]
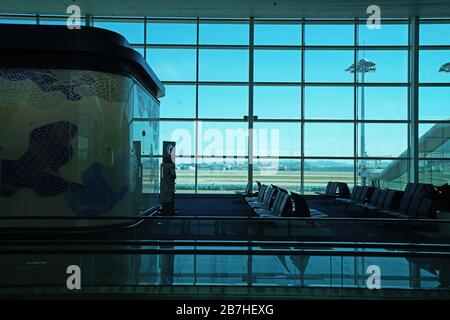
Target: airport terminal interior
[(225, 149)]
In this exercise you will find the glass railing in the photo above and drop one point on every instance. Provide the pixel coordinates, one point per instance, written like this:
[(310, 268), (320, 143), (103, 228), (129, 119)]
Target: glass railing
[(230, 257), (259, 269), (430, 231)]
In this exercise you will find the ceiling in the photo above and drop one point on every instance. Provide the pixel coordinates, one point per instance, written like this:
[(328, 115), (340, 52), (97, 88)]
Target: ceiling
[(234, 8)]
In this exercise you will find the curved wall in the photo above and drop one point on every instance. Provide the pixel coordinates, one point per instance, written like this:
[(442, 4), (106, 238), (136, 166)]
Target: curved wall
[(69, 145)]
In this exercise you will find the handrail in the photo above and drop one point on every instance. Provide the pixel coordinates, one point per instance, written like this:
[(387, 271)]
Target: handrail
[(222, 218), (244, 251), (232, 243), (80, 229)]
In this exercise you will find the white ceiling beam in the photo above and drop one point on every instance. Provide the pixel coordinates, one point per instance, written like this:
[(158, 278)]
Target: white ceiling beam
[(234, 8)]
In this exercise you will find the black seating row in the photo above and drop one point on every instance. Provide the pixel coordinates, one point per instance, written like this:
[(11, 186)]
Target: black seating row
[(273, 201), (335, 189), (422, 188), (411, 203), (380, 199), (413, 206), (359, 195), (248, 189)]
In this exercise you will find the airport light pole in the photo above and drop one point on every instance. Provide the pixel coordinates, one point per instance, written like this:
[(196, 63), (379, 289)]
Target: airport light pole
[(363, 66), (445, 67)]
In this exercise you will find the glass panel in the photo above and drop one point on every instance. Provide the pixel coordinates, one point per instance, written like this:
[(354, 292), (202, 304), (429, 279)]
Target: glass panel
[(140, 107), (179, 102), (398, 271), (182, 132), (391, 66), (224, 33), (436, 172), (383, 139), (329, 139), (223, 65), (277, 66), (387, 35), (57, 21), (434, 34), (276, 102), (434, 103), (431, 66), (185, 169), (132, 31), (328, 66), (222, 102), (434, 140), (278, 34), (150, 176), (275, 139), (222, 175), (171, 33), (18, 20), (329, 34), (389, 174), (325, 275), (143, 132), (383, 103), (222, 139), (329, 103), (284, 173), (173, 64), (319, 172)]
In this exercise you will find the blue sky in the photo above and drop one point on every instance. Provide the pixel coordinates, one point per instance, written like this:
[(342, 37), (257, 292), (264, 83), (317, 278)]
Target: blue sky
[(321, 102), (283, 102)]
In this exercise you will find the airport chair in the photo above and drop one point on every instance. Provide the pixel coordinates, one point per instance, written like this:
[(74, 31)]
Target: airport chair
[(372, 203), (381, 197), (267, 199), (413, 208), (402, 211), (366, 193), (353, 196), (426, 209), (330, 190), (248, 190), (408, 187), (392, 199), (301, 208), (344, 190), (282, 203), (260, 196), (412, 188)]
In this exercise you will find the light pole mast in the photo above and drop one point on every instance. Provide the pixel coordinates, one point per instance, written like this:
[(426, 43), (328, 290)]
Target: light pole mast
[(362, 66), (362, 143)]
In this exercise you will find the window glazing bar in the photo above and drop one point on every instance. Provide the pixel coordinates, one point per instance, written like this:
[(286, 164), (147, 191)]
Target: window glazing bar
[(251, 56), (414, 100)]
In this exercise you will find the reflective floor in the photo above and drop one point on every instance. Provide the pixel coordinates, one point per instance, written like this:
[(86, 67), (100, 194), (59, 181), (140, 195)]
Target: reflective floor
[(232, 258), (190, 267)]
